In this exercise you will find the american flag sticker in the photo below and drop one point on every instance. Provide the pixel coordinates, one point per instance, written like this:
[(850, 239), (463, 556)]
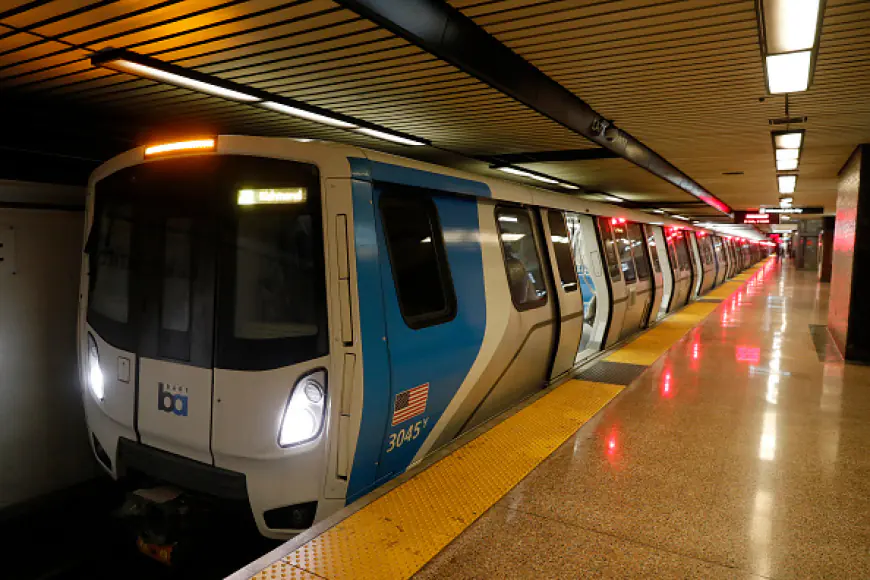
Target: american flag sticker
[(410, 403)]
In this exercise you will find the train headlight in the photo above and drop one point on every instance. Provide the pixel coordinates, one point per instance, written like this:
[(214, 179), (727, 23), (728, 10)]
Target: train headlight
[(95, 373), (306, 408)]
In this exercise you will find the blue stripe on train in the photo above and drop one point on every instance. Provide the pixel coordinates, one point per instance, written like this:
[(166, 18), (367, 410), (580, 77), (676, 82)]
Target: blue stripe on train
[(441, 355)]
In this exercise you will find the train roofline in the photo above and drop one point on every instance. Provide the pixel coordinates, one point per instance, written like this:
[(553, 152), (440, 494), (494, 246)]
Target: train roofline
[(333, 158)]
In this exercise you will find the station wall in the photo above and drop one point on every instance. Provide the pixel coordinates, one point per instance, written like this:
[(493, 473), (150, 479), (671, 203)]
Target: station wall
[(43, 438), (847, 318)]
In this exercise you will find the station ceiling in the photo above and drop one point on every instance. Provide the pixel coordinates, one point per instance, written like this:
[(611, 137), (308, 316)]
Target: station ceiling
[(684, 77)]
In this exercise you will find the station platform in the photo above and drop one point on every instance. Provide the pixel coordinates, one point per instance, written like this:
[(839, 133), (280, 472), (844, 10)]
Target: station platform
[(726, 441)]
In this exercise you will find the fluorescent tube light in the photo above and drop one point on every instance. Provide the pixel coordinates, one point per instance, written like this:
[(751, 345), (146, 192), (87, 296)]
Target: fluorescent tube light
[(787, 183), (389, 136), (303, 114), (182, 81), (786, 164), (786, 154), (788, 73), (515, 171), (790, 25), (568, 186), (680, 217), (658, 211), (612, 199), (788, 140)]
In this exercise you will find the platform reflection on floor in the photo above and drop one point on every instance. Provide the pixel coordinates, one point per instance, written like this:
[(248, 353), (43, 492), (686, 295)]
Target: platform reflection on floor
[(741, 453)]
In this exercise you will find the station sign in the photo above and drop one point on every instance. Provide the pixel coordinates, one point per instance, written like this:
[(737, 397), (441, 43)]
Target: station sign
[(755, 217), (807, 210)]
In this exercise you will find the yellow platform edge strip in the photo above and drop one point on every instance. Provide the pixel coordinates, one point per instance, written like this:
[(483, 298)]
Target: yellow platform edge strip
[(398, 533), (648, 347)]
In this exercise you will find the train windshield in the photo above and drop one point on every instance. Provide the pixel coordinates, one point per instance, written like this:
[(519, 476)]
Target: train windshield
[(213, 261)]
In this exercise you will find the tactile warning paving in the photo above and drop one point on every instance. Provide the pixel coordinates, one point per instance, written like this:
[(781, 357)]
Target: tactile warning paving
[(282, 570), (615, 373), (398, 533)]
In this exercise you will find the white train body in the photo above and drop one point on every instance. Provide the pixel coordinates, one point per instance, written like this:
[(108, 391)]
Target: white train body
[(289, 325)]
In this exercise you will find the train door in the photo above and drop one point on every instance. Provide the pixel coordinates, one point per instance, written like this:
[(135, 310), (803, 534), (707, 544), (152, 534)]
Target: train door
[(434, 309), (618, 282), (593, 278), (678, 249), (526, 312), (174, 277), (658, 275), (697, 265), (567, 291), (635, 263), (662, 250), (721, 259), (708, 262)]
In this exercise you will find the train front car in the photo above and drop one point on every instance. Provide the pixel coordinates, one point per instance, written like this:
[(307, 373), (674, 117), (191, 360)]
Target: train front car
[(205, 349)]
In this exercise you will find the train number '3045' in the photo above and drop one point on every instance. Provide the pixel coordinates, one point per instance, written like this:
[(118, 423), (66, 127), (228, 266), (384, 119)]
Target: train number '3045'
[(407, 434)]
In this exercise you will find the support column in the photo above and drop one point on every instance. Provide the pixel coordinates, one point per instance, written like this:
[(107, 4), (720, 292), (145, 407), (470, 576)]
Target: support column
[(849, 307), (826, 248)]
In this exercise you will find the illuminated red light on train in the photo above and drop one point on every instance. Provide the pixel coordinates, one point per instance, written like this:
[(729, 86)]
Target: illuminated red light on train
[(613, 221), (621, 220)]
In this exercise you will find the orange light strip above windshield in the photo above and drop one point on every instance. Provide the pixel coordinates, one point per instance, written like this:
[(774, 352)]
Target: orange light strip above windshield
[(181, 146)]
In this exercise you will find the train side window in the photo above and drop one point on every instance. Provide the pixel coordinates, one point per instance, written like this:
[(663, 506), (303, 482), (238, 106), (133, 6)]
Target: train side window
[(418, 259), (653, 253), (609, 248), (562, 249), (635, 236), (623, 244), (521, 258), (683, 252)]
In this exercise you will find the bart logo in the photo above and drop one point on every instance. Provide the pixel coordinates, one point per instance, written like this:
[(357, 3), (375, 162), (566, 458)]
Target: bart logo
[(170, 400)]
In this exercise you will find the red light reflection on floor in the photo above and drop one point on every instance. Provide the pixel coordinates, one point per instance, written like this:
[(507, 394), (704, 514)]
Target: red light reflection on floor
[(611, 446), (666, 388), (750, 354), (696, 351)]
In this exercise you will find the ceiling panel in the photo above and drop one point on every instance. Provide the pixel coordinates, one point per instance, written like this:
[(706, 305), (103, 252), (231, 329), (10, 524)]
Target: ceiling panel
[(686, 78)]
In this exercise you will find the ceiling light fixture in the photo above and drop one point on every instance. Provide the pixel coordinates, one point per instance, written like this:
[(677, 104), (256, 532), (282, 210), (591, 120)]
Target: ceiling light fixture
[(145, 66), (529, 174), (788, 73), (130, 62), (390, 136), (790, 30), (786, 164), (612, 199), (787, 183), (782, 154), (788, 140), (301, 113)]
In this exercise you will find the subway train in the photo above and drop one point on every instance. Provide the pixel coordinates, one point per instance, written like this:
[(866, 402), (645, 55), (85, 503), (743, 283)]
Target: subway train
[(287, 325)]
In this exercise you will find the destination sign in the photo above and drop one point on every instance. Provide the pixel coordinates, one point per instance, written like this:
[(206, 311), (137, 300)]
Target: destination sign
[(755, 217)]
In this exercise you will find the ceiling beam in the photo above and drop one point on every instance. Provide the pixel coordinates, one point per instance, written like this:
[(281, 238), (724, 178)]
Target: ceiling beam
[(445, 32)]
